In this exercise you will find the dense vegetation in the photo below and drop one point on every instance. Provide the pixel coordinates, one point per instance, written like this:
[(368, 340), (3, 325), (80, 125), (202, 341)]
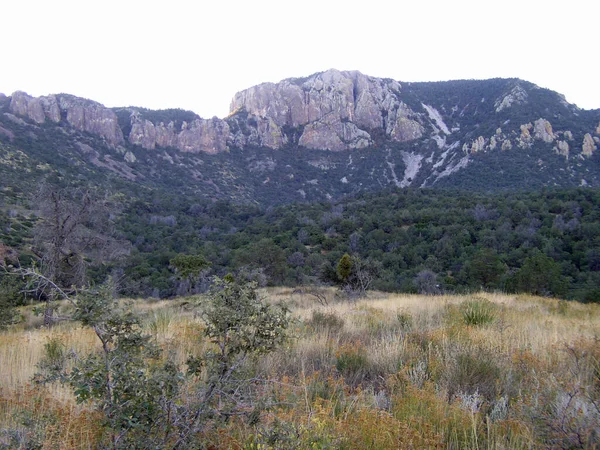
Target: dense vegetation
[(545, 243)]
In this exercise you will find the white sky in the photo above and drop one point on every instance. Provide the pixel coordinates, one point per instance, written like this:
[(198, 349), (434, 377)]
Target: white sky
[(197, 54)]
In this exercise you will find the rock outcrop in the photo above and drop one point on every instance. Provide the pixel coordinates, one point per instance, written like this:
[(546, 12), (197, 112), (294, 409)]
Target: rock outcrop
[(81, 114), (333, 110), (337, 109), (37, 109), (588, 148), (208, 136), (516, 96), (542, 129)]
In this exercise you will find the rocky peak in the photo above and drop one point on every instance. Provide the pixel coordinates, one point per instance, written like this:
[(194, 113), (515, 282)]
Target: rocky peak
[(36, 109), (81, 114), (325, 103)]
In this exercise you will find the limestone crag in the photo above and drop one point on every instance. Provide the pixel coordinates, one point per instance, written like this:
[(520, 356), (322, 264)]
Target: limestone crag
[(542, 129), (325, 103), (330, 133), (81, 114), (209, 136), (91, 117), (37, 109), (528, 134), (562, 148), (588, 148)]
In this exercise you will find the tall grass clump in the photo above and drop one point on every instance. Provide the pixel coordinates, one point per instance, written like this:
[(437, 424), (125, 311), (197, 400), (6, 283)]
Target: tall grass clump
[(478, 312)]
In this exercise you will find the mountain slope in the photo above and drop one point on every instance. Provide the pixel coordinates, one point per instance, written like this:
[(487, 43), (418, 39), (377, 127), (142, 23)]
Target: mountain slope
[(315, 138)]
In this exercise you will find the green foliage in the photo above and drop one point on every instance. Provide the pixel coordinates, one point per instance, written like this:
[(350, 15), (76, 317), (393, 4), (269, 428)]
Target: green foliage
[(125, 379), (540, 275), (189, 266), (485, 269), (472, 374), (238, 322), (11, 296), (478, 311), (344, 268)]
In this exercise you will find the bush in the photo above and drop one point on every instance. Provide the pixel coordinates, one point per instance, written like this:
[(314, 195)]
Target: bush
[(478, 311)]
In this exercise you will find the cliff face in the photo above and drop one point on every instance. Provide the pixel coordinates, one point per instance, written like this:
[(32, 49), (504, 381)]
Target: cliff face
[(443, 125), (337, 109), (81, 114)]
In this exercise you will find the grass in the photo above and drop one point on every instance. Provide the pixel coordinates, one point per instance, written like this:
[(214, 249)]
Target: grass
[(389, 371)]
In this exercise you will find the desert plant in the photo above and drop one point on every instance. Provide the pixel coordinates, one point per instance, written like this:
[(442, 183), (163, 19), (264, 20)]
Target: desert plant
[(478, 311)]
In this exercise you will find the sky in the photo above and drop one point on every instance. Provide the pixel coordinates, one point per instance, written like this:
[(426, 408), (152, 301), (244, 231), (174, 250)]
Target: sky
[(197, 54)]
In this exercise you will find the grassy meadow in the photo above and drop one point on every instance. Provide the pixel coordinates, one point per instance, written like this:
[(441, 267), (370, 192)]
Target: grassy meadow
[(485, 371)]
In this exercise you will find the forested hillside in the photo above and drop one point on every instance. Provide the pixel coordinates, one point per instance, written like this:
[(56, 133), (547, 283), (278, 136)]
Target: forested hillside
[(427, 241)]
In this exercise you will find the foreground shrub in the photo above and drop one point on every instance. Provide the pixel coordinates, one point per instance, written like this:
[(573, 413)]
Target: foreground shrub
[(478, 311)]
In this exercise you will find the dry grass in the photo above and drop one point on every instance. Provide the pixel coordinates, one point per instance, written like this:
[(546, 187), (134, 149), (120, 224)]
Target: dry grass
[(409, 361)]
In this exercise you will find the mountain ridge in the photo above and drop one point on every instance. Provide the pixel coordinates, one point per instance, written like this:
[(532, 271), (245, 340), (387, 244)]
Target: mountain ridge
[(329, 133)]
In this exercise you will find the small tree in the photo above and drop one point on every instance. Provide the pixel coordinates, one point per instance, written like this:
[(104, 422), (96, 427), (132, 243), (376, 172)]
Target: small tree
[(189, 268), (125, 378), (239, 324), (344, 268), (540, 275), (74, 228)]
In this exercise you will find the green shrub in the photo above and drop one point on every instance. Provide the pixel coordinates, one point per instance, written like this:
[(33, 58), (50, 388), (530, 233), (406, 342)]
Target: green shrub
[(478, 311)]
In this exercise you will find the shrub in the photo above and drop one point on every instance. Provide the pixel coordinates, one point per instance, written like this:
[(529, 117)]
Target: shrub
[(478, 311), (472, 374)]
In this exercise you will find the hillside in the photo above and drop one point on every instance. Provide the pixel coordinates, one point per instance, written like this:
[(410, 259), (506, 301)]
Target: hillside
[(316, 138), (422, 177)]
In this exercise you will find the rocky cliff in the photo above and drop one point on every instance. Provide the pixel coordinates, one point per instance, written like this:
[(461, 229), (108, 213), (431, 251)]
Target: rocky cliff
[(338, 110), (416, 134), (81, 114)]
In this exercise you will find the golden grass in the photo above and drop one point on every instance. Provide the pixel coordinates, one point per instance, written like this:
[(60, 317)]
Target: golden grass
[(400, 351)]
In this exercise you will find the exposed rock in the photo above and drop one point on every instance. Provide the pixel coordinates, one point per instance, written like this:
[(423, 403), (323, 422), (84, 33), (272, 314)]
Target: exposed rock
[(598, 129), (412, 162), (568, 135), (330, 133), (270, 134), (478, 145), (436, 117), (493, 143), (516, 96), (143, 133), (209, 136), (562, 148), (525, 140), (36, 109), (588, 148), (506, 145), (543, 130), (130, 157), (91, 117), (329, 100), (165, 135)]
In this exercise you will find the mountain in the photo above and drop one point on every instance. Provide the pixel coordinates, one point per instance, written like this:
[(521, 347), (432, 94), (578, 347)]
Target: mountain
[(313, 138)]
